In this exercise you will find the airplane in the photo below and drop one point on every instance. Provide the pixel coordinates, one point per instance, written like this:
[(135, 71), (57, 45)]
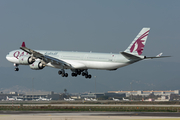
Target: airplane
[(43, 99), (69, 99), (66, 99), (93, 99), (80, 62), (125, 99), (116, 99), (87, 99), (9, 99), (18, 99)]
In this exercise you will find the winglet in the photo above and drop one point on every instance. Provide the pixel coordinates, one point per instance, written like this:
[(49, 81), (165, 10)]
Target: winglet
[(23, 44)]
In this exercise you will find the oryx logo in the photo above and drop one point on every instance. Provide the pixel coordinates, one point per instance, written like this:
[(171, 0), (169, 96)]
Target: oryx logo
[(138, 44)]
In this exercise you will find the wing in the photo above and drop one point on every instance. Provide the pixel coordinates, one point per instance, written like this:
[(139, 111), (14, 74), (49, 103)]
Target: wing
[(45, 58)]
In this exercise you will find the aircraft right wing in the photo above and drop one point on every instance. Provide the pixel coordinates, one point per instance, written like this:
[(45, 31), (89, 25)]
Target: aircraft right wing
[(45, 58)]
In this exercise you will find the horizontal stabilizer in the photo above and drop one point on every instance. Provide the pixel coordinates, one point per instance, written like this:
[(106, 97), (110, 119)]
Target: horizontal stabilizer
[(130, 56), (157, 56)]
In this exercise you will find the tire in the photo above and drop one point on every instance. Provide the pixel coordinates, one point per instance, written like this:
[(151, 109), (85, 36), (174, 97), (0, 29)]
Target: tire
[(86, 76), (79, 73), (59, 72), (83, 74), (89, 76), (66, 75), (75, 74), (72, 74), (16, 69), (63, 75)]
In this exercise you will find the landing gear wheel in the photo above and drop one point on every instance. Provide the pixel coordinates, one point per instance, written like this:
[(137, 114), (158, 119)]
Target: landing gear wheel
[(59, 72), (83, 74), (86, 76), (79, 73), (66, 75), (16, 69), (89, 76), (62, 74), (74, 74)]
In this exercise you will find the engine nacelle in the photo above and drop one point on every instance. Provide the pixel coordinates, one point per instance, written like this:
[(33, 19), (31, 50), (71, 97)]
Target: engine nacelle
[(37, 65), (26, 60)]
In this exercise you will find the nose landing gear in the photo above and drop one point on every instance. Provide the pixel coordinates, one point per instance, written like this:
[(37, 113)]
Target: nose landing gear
[(16, 67)]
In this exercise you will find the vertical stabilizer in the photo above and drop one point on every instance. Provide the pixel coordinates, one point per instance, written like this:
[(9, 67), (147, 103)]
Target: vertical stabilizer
[(137, 45)]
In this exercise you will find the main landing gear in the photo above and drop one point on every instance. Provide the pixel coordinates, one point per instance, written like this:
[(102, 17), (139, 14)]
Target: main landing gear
[(16, 67), (79, 72), (75, 73), (62, 73), (85, 73)]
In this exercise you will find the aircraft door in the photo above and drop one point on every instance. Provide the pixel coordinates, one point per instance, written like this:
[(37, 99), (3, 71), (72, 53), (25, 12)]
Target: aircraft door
[(113, 58)]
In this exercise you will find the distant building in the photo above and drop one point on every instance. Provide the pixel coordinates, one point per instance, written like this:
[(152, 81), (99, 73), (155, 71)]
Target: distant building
[(3, 96), (36, 95), (91, 95), (115, 94), (146, 93), (54, 96), (97, 95)]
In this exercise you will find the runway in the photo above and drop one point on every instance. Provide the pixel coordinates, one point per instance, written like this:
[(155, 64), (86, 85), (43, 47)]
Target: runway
[(50, 115), (88, 115)]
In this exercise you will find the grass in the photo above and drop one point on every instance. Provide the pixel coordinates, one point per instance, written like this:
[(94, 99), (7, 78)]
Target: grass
[(91, 108)]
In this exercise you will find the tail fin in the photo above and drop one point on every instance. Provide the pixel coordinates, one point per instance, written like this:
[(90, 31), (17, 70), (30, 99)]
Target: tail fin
[(137, 45)]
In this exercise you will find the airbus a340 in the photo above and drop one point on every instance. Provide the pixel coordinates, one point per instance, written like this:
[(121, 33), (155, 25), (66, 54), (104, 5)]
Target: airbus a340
[(80, 62)]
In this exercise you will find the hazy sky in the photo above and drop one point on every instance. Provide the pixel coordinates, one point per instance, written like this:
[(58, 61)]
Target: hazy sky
[(94, 25)]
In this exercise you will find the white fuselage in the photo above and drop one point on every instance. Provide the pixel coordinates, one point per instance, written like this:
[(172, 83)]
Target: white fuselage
[(79, 60)]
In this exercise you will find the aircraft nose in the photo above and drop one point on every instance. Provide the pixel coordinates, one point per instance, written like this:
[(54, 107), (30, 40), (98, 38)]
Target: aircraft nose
[(12, 59), (8, 57)]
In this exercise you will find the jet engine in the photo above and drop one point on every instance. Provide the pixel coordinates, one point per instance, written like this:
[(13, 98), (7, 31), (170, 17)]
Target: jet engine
[(26, 60), (37, 65)]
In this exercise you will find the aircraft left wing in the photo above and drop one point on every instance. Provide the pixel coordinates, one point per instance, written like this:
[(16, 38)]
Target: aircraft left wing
[(45, 58)]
